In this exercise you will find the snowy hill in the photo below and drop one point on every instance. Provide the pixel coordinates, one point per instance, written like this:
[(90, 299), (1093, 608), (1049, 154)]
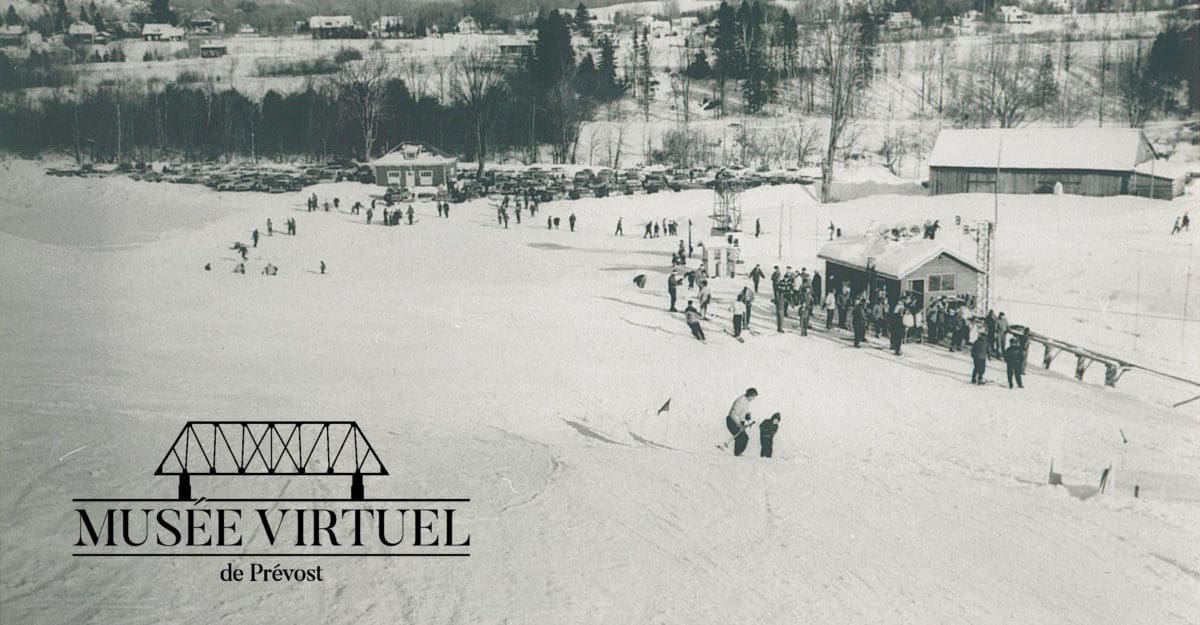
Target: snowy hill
[(522, 368)]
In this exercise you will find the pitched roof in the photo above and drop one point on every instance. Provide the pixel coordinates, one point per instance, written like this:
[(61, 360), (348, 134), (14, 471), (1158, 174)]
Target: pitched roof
[(893, 259), (1098, 149), (415, 154), (165, 30)]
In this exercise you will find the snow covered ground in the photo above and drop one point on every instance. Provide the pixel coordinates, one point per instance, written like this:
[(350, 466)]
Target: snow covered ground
[(522, 368)]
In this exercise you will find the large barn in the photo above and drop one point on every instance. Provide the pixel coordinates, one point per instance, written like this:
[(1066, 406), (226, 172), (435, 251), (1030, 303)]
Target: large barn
[(926, 269), (1078, 161)]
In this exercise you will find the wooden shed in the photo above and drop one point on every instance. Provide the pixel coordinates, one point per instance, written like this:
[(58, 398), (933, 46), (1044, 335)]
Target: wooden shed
[(1078, 161), (415, 165), (925, 268)]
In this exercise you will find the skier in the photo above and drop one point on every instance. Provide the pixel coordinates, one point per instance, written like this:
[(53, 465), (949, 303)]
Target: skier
[(370, 214), (647, 235), (705, 296), (322, 267), (673, 281), (620, 232), (746, 298), (270, 228), (571, 221), (1177, 227), (208, 266), (1186, 222), (692, 317), (1001, 331), (556, 222), (775, 277), (410, 216), (738, 420), (1014, 356), (254, 237), (816, 283), (549, 222), (896, 327), (239, 268), (656, 231), (830, 309), (517, 213), (990, 324), (858, 320), (805, 310), (756, 274), (979, 354), (735, 308), (778, 313), (270, 270), (879, 316), (766, 435), (757, 227)]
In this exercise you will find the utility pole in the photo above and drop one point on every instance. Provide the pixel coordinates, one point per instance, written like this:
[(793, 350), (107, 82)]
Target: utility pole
[(779, 255)]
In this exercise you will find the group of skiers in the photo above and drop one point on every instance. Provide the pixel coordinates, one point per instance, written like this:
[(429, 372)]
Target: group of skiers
[(1182, 223), (653, 230), (739, 421)]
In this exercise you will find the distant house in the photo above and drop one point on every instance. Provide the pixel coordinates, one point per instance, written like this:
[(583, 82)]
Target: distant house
[(332, 27), (927, 269), (685, 24), (247, 30), (516, 49), (901, 20), (81, 32), (213, 50), (468, 26), (388, 26), (657, 27), (13, 35), (205, 23), (415, 165), (162, 32), (1014, 15), (1080, 161)]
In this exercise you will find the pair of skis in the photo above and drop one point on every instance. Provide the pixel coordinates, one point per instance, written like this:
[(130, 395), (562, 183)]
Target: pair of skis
[(746, 426)]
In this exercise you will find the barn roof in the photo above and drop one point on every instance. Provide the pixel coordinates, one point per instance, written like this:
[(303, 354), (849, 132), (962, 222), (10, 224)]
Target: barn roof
[(893, 259), (1095, 149)]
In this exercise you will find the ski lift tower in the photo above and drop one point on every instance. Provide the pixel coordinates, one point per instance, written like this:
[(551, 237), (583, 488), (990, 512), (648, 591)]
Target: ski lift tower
[(727, 208), (984, 232)]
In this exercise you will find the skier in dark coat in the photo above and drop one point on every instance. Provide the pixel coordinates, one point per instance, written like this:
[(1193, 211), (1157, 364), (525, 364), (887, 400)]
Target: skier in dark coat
[(410, 216), (571, 221), (737, 421), (979, 354), (1014, 357), (858, 320), (766, 435), (896, 327), (254, 237), (756, 274)]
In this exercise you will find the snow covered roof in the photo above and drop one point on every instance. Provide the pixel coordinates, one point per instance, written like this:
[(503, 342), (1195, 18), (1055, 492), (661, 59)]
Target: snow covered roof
[(318, 22), (415, 154), (1098, 149), (81, 29), (1164, 169), (893, 259), (162, 30)]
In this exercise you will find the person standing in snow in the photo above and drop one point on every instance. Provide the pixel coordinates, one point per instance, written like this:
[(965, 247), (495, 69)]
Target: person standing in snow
[(1186, 222), (738, 420), (270, 228), (879, 316), (776, 276), (735, 309), (830, 309), (1014, 361), (858, 321), (979, 354), (410, 215), (705, 296), (517, 213), (673, 281), (757, 227), (370, 214), (805, 310), (990, 323), (647, 234), (1001, 331), (1177, 228), (756, 274), (816, 283), (896, 327), (746, 298), (691, 316), (322, 267), (254, 237), (778, 313), (571, 222), (620, 231), (766, 435)]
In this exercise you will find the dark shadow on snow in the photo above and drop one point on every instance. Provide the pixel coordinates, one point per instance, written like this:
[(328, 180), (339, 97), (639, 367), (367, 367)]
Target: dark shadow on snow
[(593, 434)]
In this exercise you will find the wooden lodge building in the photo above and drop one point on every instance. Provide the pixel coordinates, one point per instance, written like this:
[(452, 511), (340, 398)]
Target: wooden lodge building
[(926, 268), (1078, 161), (415, 165)]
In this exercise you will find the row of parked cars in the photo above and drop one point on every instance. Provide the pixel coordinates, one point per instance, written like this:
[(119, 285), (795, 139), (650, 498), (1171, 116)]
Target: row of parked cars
[(545, 184), (223, 177)]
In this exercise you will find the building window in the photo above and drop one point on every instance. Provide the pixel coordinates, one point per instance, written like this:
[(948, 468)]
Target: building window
[(980, 181), (393, 176), (941, 282), (426, 177)]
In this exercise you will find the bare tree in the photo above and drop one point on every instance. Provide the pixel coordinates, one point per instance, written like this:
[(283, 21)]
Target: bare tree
[(1003, 86), (841, 51), (479, 85), (363, 85)]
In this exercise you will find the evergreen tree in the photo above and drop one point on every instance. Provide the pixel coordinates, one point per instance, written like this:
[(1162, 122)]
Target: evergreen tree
[(606, 72), (586, 83), (583, 20), (725, 47), (62, 19), (699, 68), (11, 18), (553, 57), (161, 13), (645, 75), (1047, 86)]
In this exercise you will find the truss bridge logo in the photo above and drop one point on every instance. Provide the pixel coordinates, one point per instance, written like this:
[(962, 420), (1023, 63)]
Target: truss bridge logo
[(208, 458)]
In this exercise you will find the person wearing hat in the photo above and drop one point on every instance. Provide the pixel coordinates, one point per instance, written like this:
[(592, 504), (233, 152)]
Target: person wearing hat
[(738, 420), (673, 282), (692, 317), (766, 435)]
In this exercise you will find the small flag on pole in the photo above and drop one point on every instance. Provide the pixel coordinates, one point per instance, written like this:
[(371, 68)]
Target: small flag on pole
[(665, 408)]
